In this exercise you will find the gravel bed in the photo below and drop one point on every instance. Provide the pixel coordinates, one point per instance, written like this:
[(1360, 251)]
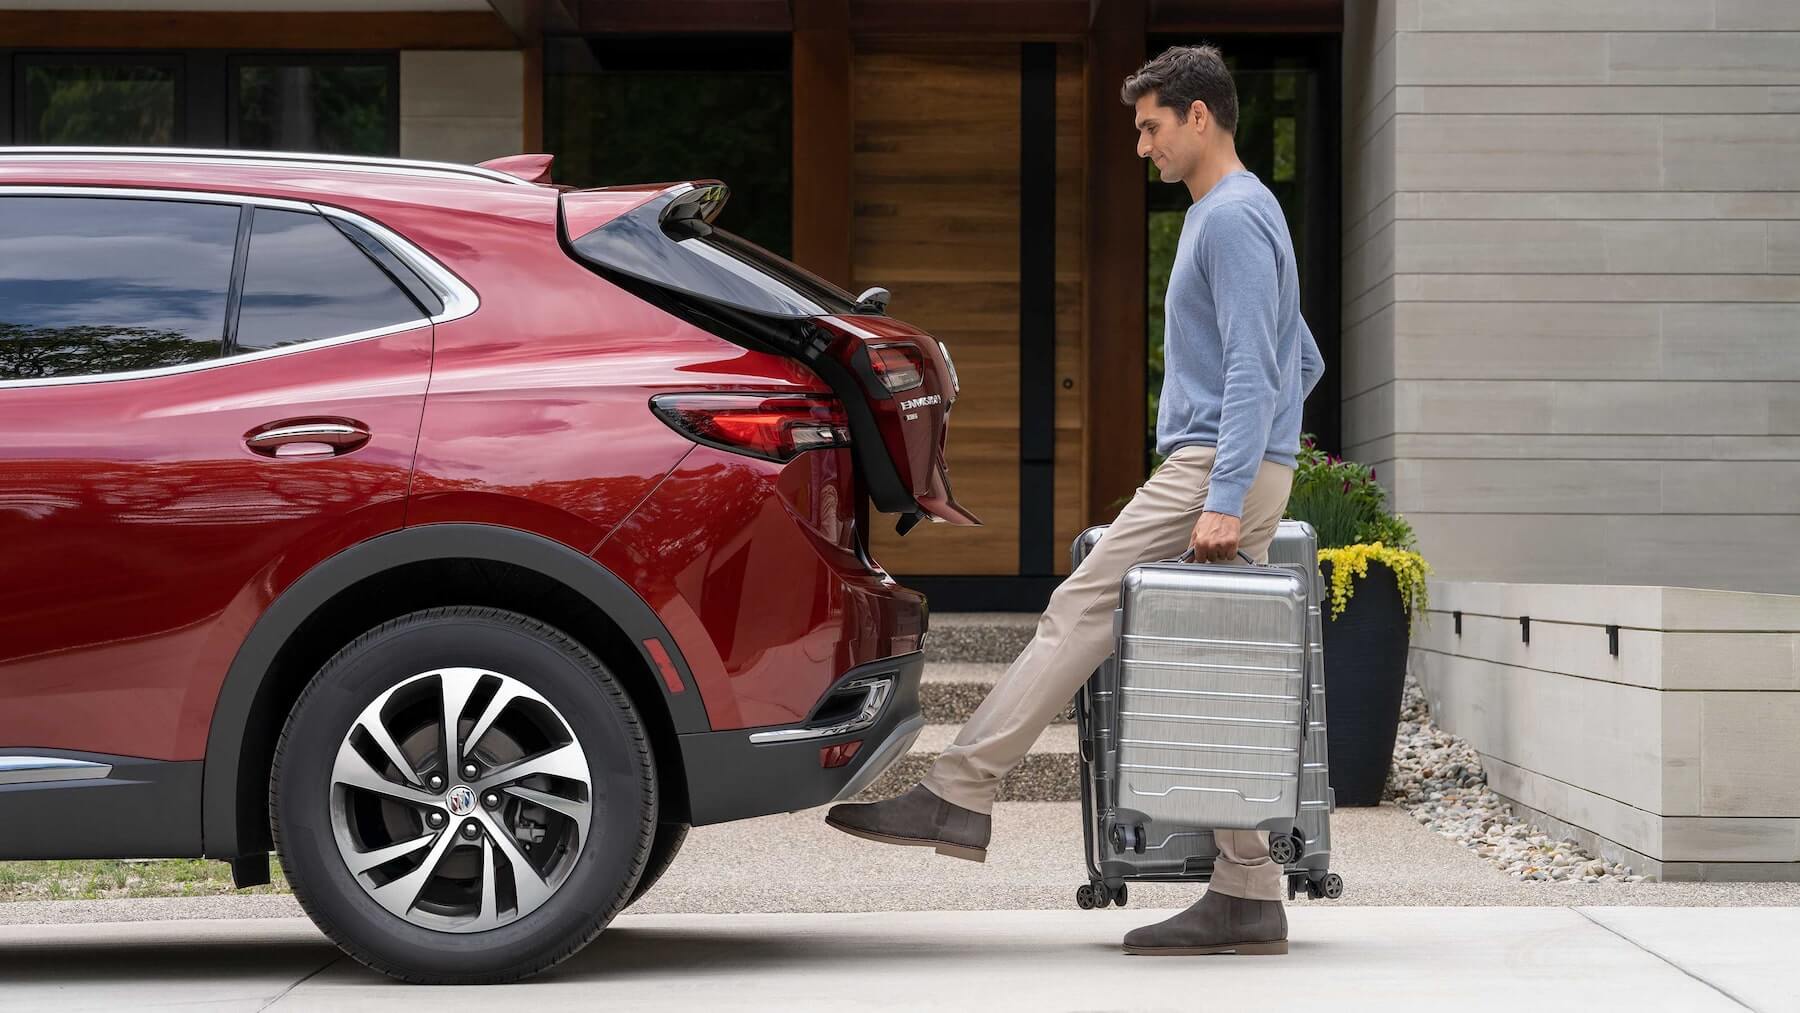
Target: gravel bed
[(1438, 779)]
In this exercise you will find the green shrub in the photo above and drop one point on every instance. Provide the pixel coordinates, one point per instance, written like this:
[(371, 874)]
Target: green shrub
[(1349, 509)]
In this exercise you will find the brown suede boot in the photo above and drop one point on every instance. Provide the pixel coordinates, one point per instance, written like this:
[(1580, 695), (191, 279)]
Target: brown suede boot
[(1216, 924), (919, 819)]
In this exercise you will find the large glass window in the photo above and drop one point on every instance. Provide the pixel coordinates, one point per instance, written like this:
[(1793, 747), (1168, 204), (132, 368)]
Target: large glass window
[(337, 106), (93, 285), (305, 280), (1284, 135), (669, 109), (98, 100), (338, 103)]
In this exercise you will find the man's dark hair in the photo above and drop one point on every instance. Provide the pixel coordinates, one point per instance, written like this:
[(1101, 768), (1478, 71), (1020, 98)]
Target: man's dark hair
[(1181, 75)]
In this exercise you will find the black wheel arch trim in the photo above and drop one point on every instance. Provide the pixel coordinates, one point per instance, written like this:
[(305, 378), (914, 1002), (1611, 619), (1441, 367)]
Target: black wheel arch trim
[(224, 828)]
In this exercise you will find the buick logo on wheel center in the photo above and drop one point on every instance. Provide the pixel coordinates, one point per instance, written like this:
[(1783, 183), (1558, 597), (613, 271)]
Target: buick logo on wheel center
[(462, 800)]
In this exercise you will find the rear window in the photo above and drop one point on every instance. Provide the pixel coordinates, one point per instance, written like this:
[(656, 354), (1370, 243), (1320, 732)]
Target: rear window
[(710, 264)]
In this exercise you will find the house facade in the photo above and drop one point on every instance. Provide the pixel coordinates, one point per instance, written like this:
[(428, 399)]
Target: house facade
[(1551, 250)]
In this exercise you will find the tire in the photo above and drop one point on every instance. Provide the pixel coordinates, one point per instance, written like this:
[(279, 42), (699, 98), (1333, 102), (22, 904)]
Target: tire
[(669, 837), (550, 714)]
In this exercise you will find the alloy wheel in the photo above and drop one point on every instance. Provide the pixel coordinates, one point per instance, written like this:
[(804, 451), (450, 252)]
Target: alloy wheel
[(460, 800)]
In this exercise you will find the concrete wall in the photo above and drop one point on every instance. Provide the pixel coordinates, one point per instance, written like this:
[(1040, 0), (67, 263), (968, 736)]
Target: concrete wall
[(1679, 755), (461, 106), (1572, 284)]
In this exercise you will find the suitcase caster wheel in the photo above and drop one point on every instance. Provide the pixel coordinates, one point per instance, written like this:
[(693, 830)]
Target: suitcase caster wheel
[(1283, 850), (1332, 886), (1121, 895), (1084, 898)]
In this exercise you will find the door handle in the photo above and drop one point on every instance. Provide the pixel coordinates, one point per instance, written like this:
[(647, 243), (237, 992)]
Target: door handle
[(308, 438)]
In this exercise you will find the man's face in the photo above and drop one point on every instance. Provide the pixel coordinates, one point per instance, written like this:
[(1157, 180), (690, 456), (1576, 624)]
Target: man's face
[(1174, 146)]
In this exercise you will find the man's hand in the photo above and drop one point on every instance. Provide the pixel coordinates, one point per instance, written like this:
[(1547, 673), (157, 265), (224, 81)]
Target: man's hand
[(1215, 538)]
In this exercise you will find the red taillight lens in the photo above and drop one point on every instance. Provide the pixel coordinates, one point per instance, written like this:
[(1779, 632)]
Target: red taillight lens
[(774, 427), (900, 367)]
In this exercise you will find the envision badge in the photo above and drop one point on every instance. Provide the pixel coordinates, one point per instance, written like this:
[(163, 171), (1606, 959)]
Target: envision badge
[(920, 402), (462, 800)]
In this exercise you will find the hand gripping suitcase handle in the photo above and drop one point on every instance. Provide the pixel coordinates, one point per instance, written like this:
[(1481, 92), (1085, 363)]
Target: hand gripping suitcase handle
[(1189, 557)]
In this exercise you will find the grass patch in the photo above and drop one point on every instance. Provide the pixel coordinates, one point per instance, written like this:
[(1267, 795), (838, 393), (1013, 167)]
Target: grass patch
[(106, 879)]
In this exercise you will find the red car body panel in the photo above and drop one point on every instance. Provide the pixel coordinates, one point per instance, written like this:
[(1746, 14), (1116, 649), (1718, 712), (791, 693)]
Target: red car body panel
[(753, 567), (143, 540)]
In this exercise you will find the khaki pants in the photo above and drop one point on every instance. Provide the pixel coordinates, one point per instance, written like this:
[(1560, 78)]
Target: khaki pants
[(1075, 636)]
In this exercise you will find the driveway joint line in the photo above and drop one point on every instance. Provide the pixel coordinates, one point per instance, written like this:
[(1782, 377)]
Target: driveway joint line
[(1664, 959), (284, 992)]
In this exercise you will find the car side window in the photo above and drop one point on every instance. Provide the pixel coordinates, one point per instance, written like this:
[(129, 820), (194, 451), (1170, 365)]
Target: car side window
[(95, 285), (306, 280)]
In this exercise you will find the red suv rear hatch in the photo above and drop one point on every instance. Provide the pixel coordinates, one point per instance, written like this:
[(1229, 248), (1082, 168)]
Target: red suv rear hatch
[(896, 382)]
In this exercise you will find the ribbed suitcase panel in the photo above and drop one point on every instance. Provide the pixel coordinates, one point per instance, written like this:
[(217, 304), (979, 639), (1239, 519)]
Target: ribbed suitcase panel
[(1182, 852), (1296, 548), (1212, 679)]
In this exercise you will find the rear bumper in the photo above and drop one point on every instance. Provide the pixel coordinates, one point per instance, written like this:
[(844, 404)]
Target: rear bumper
[(731, 777)]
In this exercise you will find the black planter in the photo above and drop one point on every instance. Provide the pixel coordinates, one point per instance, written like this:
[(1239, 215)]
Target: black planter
[(1365, 677)]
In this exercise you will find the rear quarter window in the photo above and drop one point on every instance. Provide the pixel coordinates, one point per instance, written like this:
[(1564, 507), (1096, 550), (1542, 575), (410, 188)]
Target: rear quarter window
[(305, 280)]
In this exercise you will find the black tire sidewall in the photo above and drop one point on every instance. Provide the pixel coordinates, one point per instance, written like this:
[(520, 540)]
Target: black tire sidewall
[(669, 838), (576, 684)]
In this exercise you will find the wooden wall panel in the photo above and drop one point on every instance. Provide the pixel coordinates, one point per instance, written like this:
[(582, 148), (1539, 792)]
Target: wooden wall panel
[(1116, 263), (936, 221), (55, 29), (1071, 345)]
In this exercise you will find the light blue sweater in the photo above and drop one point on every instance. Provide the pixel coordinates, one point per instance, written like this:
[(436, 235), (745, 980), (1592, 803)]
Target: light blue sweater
[(1238, 359)]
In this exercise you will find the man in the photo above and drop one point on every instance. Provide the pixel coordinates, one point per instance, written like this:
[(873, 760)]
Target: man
[(1239, 363)]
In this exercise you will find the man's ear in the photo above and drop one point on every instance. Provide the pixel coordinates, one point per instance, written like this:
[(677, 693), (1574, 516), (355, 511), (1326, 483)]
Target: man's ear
[(1199, 115)]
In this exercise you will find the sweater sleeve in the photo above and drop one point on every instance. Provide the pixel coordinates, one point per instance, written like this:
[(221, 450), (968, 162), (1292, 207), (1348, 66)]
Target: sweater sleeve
[(1312, 364), (1238, 255)]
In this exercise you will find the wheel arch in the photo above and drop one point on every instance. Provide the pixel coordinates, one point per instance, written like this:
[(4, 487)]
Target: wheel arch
[(401, 572)]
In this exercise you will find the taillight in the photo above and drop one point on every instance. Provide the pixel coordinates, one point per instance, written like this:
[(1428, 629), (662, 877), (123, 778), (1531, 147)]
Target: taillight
[(774, 427), (955, 386), (900, 367)]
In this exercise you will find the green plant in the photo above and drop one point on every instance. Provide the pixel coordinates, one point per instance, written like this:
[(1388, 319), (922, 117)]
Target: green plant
[(1348, 508), (1343, 501)]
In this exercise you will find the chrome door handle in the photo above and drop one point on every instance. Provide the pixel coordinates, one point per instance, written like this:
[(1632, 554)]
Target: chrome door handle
[(307, 439)]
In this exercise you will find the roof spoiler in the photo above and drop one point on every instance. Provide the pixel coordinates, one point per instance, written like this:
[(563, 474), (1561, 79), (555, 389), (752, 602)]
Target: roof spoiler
[(530, 168)]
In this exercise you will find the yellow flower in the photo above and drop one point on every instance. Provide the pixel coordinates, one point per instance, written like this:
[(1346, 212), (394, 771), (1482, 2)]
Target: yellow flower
[(1352, 561)]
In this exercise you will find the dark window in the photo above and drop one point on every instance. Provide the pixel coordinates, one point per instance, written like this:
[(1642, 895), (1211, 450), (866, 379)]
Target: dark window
[(338, 106), (93, 285), (305, 280), (341, 103), (659, 109), (1287, 123), (712, 264), (99, 100)]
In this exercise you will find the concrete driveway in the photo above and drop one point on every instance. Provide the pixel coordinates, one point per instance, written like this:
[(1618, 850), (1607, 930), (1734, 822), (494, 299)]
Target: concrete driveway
[(1343, 958)]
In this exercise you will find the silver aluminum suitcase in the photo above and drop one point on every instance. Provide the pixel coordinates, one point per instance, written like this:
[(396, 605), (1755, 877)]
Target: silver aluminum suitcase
[(1123, 842)]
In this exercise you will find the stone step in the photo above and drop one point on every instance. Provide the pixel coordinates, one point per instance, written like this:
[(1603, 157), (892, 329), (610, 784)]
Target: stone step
[(951, 690), (1048, 773), (982, 637)]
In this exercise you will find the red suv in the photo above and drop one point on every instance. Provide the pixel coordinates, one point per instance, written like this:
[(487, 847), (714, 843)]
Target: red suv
[(463, 538)]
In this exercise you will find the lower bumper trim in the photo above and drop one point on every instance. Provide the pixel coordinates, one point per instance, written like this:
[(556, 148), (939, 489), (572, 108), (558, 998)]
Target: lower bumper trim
[(729, 777)]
